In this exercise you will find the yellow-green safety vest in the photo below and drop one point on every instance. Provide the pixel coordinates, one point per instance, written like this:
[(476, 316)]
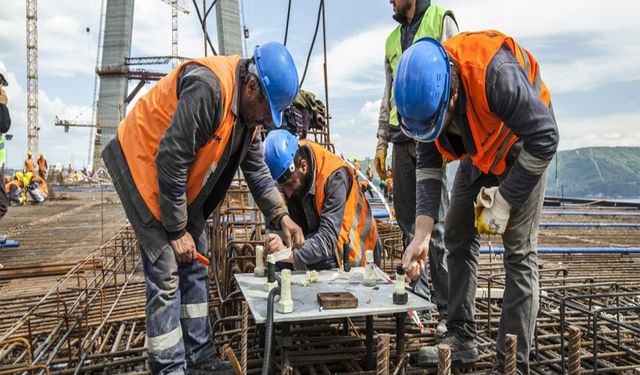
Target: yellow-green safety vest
[(431, 25)]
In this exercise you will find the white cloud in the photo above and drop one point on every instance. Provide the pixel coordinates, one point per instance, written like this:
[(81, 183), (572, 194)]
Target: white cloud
[(621, 129), (361, 130)]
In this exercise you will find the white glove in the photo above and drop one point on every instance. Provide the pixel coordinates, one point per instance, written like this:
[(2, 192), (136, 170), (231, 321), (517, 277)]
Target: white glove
[(491, 211)]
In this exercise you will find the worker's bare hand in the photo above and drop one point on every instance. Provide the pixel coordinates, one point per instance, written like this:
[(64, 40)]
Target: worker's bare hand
[(184, 248), (3, 96), (293, 236), (273, 244), (414, 258)]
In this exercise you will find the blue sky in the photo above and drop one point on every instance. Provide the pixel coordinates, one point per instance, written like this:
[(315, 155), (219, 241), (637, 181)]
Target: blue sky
[(590, 62)]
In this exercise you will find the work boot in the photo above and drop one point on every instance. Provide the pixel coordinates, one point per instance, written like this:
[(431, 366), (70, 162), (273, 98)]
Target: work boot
[(441, 328), (211, 367), (463, 351)]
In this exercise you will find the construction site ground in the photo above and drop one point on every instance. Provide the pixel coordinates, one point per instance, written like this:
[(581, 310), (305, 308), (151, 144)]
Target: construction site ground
[(72, 296)]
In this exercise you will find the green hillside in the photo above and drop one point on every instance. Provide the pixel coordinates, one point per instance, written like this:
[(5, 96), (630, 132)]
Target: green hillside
[(597, 172)]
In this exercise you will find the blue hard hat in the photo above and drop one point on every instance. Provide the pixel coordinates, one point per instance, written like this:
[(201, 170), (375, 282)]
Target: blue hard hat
[(421, 89), (278, 75), (280, 148)]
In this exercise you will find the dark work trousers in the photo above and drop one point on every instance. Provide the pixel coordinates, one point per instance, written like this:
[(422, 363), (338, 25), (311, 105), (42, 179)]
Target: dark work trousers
[(177, 311), (521, 300), (404, 202)]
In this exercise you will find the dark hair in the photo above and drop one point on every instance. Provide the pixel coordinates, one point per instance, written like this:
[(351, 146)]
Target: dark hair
[(301, 154), (247, 69)]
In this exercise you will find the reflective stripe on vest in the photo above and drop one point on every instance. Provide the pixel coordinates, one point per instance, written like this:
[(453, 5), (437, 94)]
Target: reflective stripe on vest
[(472, 52), (3, 151), (431, 25), (358, 231), (143, 128)]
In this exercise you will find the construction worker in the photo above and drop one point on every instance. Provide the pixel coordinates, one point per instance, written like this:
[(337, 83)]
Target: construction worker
[(369, 172), (323, 197), (14, 190), (356, 164), (5, 125), (417, 19), (365, 187), (172, 162), (479, 97), (29, 164), (42, 166), (37, 188)]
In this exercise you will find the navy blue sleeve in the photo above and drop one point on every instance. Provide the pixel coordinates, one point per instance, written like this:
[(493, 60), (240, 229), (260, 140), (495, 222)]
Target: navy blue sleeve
[(515, 101), (195, 120), (429, 175)]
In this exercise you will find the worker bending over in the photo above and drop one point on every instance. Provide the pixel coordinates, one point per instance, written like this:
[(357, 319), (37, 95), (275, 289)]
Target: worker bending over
[(14, 189), (172, 162), (479, 97), (323, 197), (38, 189)]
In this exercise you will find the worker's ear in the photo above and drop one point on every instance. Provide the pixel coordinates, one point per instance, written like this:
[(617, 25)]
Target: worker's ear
[(303, 166)]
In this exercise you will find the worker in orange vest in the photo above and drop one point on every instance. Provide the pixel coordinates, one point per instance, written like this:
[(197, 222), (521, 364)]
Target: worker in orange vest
[(323, 197), (479, 97), (173, 159), (14, 189), (42, 166), (29, 164), (365, 187), (38, 189)]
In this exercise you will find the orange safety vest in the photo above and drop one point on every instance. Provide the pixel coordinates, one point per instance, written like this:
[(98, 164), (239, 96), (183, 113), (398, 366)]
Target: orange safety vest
[(42, 165), (43, 184), (7, 186), (389, 182), (472, 52), (29, 166), (143, 128), (359, 230)]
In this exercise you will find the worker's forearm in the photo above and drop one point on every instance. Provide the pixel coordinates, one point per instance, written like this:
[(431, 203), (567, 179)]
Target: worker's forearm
[(424, 226)]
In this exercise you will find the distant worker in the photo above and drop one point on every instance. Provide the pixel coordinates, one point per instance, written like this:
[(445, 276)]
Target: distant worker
[(388, 186), (356, 164), (172, 161), (5, 125), (42, 166), (14, 189), (369, 172), (480, 98), (365, 187), (417, 19), (37, 189), (323, 197), (29, 163)]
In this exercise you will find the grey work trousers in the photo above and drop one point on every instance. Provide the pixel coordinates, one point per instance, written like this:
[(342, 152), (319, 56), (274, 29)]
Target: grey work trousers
[(403, 167), (521, 300)]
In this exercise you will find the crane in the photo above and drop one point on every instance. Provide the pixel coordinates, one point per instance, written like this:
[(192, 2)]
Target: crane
[(32, 75), (176, 6)]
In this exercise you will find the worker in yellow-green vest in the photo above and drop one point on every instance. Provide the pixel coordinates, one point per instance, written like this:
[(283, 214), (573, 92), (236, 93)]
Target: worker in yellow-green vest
[(417, 19)]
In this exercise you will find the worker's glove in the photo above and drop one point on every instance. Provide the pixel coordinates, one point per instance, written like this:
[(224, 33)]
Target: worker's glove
[(3, 96), (380, 160), (491, 211)]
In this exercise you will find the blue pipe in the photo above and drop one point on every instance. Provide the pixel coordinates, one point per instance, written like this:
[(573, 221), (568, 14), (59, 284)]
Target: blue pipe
[(589, 225), (576, 207), (573, 250), (578, 213)]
